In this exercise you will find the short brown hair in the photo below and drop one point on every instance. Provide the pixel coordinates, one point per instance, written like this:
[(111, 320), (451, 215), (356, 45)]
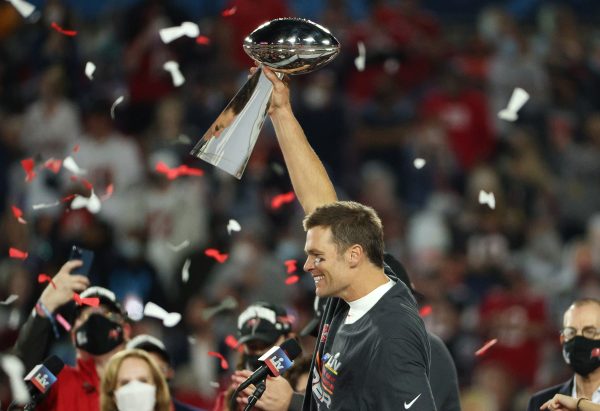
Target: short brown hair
[(109, 381), (350, 223)]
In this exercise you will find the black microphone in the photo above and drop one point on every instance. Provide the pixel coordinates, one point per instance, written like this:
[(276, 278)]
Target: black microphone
[(41, 378), (276, 361)]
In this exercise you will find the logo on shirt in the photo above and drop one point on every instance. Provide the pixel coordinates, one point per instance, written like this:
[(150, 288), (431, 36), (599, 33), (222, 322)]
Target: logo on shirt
[(317, 389), (410, 404), (332, 363)]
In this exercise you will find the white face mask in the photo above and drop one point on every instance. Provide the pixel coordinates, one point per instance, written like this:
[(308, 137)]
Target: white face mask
[(136, 396)]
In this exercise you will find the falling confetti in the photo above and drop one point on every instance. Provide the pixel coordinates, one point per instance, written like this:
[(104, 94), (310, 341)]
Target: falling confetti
[(595, 353), (118, 101), (45, 278), (91, 301), (61, 320), (229, 12), (486, 347), (425, 311), (291, 266), (70, 33), (487, 198), (203, 40), (154, 310), (45, 205), (224, 363), (185, 271), (16, 253), (76, 148), (91, 203), (173, 68), (109, 192), (360, 60), (53, 165), (231, 342), (292, 280), (517, 101), (214, 253), (18, 213), (10, 299), (70, 164), (187, 28), (419, 163), (233, 226), (28, 165), (229, 303), (178, 247), (173, 173), (89, 70), (282, 199), (25, 9)]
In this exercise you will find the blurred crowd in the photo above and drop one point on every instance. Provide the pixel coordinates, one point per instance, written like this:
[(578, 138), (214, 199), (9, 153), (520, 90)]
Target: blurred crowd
[(431, 89)]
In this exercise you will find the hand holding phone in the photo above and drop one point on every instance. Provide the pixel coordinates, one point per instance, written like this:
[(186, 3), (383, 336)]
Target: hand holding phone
[(86, 256)]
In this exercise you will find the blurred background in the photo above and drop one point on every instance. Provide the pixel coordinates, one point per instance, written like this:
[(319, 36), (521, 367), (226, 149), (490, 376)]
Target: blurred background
[(437, 72)]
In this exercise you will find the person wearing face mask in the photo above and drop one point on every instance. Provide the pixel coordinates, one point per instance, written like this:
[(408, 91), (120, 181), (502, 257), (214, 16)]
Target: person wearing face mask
[(580, 339), (260, 326), (98, 332), (132, 381)]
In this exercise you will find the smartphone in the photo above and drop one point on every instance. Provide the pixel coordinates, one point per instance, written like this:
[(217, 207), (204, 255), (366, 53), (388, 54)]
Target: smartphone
[(87, 256)]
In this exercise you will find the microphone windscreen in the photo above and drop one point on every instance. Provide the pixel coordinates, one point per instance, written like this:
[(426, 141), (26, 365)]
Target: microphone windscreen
[(54, 364), (291, 348)]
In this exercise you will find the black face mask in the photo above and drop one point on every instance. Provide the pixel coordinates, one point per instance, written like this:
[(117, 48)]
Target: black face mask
[(98, 335), (251, 362), (582, 354)]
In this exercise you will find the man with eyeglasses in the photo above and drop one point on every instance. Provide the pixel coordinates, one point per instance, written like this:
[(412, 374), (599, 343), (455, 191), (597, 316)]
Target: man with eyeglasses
[(580, 339)]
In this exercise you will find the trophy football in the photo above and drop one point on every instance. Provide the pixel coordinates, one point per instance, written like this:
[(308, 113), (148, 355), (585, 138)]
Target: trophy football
[(286, 45)]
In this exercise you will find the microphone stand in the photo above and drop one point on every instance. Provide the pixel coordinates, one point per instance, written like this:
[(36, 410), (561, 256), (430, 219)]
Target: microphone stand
[(258, 392)]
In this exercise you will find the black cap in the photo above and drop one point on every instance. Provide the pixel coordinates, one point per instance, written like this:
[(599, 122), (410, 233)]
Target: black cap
[(264, 322), (107, 298), (151, 344)]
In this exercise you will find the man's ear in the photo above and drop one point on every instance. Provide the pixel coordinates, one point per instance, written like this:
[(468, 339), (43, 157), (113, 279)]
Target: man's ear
[(355, 255)]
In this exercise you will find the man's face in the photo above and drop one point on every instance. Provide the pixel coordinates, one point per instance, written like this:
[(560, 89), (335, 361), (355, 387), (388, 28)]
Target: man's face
[(328, 268), (582, 320), (258, 347)]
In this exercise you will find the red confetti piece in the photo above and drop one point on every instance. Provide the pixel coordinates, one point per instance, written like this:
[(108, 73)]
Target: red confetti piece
[(56, 27), (291, 266), (203, 40), (28, 165), (45, 278), (68, 198), (224, 363), (109, 192), (18, 213), (233, 343), (486, 347), (425, 310), (595, 353), (91, 301), (293, 279), (282, 199), (214, 253), (53, 165), (229, 12), (61, 320), (87, 184), (173, 173), (16, 253), (76, 148)]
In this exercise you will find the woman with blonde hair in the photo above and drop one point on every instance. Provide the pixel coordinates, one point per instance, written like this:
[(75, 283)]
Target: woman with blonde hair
[(133, 382)]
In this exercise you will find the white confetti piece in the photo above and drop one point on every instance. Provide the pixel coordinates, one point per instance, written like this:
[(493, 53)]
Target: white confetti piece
[(173, 68), (229, 303), (118, 101), (233, 226), (46, 205), (419, 163), (10, 299), (191, 340), (89, 70), (70, 164), (156, 311), (25, 9), (178, 247), (185, 271), (92, 203), (278, 169), (517, 101), (187, 28), (215, 384), (14, 369), (360, 60), (487, 198), (183, 139)]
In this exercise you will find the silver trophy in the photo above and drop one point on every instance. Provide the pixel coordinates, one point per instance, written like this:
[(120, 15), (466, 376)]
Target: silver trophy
[(288, 46)]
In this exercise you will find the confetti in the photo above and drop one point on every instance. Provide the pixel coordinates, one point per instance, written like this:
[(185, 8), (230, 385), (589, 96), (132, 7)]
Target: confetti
[(229, 303), (487, 198), (278, 169), (16, 253), (18, 213), (178, 247), (173, 68), (233, 226), (203, 40), (419, 163), (360, 60), (154, 310), (486, 347), (218, 355), (118, 101), (15, 371), (229, 12), (91, 203), (292, 280), (76, 148), (70, 164), (281, 199), (91, 301), (109, 192), (46, 205), (61, 320), (595, 353), (53, 165), (173, 173), (183, 139), (517, 101), (214, 253), (231, 342), (25, 9), (185, 271), (10, 299), (28, 165), (425, 311), (187, 28), (291, 266), (215, 385), (89, 70), (70, 33), (45, 278)]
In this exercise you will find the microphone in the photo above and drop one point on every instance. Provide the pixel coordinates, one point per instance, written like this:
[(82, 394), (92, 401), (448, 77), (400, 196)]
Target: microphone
[(41, 378), (276, 361)]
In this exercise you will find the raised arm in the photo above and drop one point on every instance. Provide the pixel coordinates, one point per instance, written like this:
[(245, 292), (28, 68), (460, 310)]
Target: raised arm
[(309, 178)]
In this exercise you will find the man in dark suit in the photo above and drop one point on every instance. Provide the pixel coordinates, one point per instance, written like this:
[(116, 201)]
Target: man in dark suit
[(580, 339)]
